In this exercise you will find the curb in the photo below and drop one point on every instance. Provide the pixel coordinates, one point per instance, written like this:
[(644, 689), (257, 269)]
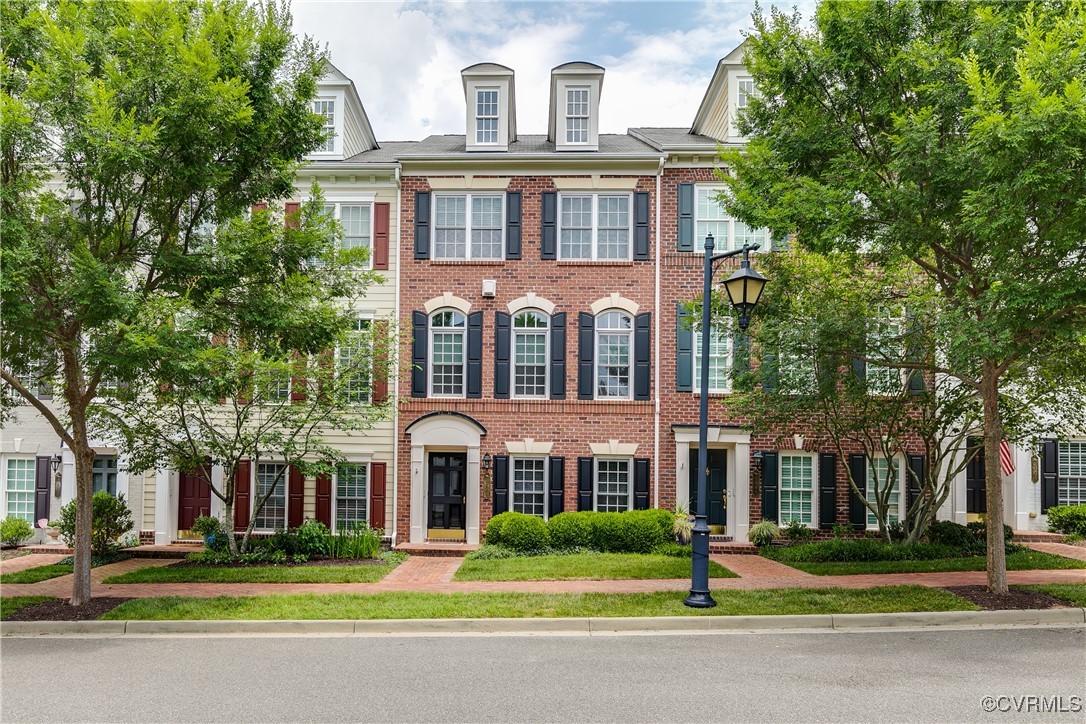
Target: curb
[(584, 626)]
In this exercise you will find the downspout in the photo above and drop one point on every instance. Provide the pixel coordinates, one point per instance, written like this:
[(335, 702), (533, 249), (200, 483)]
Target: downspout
[(396, 368), (656, 350)]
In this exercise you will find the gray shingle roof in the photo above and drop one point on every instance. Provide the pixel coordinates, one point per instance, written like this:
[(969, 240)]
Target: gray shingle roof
[(663, 138), (454, 145), (387, 153)]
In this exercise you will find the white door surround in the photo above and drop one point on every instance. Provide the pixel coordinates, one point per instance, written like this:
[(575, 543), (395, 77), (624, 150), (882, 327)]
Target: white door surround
[(450, 432), (737, 442)]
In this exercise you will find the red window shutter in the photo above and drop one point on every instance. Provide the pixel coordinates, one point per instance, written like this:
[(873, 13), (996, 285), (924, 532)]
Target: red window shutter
[(217, 340), (290, 214), (242, 504), (259, 207), (377, 494), (380, 236), (326, 367), (380, 362), (297, 498), (324, 500), (299, 379)]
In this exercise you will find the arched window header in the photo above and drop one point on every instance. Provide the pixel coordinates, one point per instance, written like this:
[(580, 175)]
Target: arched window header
[(447, 300), (615, 301)]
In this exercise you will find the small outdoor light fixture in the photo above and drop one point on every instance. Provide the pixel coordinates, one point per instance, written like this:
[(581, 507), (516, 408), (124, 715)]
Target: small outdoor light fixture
[(55, 462), (744, 289), (487, 461)]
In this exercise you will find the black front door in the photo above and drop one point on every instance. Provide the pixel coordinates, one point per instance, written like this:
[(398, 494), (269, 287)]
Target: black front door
[(975, 495), (448, 485), (717, 485)]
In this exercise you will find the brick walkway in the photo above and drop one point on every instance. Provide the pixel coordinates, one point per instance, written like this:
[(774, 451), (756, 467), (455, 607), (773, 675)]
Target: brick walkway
[(434, 575), (1060, 549), (32, 560)]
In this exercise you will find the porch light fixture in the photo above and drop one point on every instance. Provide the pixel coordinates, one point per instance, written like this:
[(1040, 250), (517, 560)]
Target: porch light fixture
[(488, 461), (744, 289), (55, 462)]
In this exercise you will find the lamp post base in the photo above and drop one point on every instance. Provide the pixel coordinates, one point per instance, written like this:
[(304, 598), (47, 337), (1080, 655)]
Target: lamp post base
[(699, 599)]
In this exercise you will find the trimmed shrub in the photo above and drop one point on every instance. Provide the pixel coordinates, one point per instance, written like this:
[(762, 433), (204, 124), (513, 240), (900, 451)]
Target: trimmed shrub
[(523, 532), (311, 538), (797, 532), (491, 553), (674, 550), (979, 528), (762, 534), (110, 519), (954, 535), (14, 531), (850, 551), (662, 519), (632, 532), (1069, 519), (569, 530), (496, 525)]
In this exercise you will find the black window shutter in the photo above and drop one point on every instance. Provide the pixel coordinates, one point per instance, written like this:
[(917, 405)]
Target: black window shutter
[(548, 238), (503, 341), (42, 470), (512, 225), (686, 217), (770, 370), (684, 349), (642, 472), (740, 356), (556, 502), (643, 356), (641, 225), (586, 340), (1050, 455), (475, 355), (770, 491), (826, 373), (419, 353), (558, 356), (857, 511), (827, 490), (913, 353), (584, 483), (501, 483), (422, 224), (917, 464)]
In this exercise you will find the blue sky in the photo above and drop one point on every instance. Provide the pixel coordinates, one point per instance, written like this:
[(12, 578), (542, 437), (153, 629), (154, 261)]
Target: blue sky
[(406, 57)]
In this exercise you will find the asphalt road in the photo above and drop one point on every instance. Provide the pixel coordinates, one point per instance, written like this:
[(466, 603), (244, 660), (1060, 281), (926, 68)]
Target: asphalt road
[(896, 676)]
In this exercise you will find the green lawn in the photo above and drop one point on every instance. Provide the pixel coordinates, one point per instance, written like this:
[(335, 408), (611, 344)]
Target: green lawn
[(582, 566), (1075, 593), (255, 574), (33, 575), (1032, 560), (10, 605), (539, 605)]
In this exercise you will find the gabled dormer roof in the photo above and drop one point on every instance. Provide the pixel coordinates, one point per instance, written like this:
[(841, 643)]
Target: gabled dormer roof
[(486, 77), (575, 74), (714, 117), (356, 132)]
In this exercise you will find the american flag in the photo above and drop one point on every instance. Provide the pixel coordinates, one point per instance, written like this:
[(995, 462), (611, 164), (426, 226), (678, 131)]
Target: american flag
[(1006, 460)]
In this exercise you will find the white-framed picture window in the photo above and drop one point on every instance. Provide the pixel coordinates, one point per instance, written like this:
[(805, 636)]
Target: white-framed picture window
[(720, 360), (273, 515), (577, 115), (711, 218), (614, 484), (529, 486), (486, 115), (1071, 475), (354, 362), (447, 353), (326, 109), (614, 351), (104, 473), (531, 348), (469, 226), (796, 488), (877, 470), (19, 489), (356, 220), (594, 227), (352, 491), (884, 339)]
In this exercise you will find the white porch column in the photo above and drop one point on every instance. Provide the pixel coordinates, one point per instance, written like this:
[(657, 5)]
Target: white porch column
[(741, 499), (473, 492), (418, 494), (164, 527)]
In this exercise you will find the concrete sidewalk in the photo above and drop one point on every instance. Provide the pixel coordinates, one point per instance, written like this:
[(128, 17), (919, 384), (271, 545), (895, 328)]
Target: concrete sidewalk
[(434, 575)]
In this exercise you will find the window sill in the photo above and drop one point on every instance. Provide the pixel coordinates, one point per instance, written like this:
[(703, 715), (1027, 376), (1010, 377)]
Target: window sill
[(467, 262), (597, 262)]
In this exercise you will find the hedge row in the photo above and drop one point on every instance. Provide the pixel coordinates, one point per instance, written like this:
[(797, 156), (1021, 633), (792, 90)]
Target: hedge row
[(635, 531)]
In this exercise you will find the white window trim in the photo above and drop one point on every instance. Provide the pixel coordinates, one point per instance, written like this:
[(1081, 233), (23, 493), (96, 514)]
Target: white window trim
[(33, 487), (596, 225), (368, 318), (587, 116), (596, 354), (629, 479), (546, 355), (467, 196), (430, 354), (337, 122), (546, 480), (890, 318), (901, 490), (361, 462), (116, 469), (814, 484), (1059, 477), (254, 492), (729, 355), (699, 239), (497, 117), (338, 204)]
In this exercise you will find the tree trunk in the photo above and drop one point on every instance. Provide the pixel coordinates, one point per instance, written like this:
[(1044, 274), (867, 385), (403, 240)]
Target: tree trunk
[(228, 525), (993, 480), (84, 493)]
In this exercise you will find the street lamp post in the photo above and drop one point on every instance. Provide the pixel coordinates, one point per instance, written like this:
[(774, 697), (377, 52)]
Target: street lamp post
[(744, 287)]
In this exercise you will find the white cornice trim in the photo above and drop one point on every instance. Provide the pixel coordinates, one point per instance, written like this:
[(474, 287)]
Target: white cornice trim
[(528, 446), (447, 300), (468, 182), (594, 182), (531, 301), (615, 301), (613, 447)]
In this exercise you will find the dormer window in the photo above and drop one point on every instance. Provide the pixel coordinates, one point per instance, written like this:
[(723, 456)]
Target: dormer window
[(486, 115), (326, 108), (744, 91), (577, 115)]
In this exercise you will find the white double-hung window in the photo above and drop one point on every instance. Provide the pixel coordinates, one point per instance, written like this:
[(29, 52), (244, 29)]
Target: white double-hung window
[(594, 227), (486, 115), (720, 360), (529, 491), (356, 219), (880, 473), (885, 340), (614, 348), (469, 226), (326, 109), (796, 488), (728, 233), (351, 490), (530, 340), (273, 515), (447, 341), (19, 489), (353, 363), (614, 487), (1071, 482), (577, 115)]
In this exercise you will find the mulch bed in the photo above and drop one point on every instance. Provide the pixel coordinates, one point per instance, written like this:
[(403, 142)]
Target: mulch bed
[(1015, 599), (60, 610), (311, 562)]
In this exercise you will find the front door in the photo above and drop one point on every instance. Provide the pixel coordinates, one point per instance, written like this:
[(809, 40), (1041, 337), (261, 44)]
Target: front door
[(718, 487), (194, 499), (975, 495), (448, 487)]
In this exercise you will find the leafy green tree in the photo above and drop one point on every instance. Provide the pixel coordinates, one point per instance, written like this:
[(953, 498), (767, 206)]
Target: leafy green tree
[(129, 131), (948, 135)]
